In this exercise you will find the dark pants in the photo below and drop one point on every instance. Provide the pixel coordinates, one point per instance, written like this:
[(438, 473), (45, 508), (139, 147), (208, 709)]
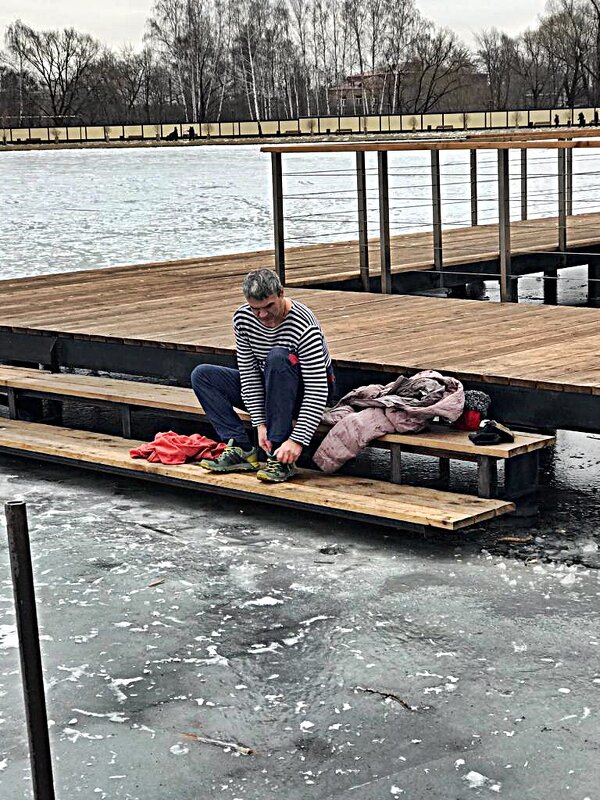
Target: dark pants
[(219, 390)]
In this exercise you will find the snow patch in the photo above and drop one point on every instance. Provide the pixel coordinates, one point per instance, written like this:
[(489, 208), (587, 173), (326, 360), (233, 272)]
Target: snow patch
[(8, 637), (262, 601)]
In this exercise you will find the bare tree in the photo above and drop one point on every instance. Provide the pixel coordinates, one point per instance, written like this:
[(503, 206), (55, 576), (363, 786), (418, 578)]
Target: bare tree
[(61, 61), (497, 53), (441, 64), (532, 68), (562, 32)]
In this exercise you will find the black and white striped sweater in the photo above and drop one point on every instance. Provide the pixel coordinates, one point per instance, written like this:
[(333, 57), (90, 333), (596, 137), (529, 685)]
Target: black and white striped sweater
[(299, 331)]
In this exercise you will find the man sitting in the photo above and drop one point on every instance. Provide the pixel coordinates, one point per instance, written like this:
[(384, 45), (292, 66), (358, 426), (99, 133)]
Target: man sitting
[(284, 374)]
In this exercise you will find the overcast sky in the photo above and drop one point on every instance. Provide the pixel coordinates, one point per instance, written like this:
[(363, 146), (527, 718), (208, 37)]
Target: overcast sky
[(119, 22)]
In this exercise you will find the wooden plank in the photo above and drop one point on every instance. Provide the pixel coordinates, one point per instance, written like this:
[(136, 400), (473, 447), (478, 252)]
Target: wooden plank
[(411, 146), (361, 496), (455, 441)]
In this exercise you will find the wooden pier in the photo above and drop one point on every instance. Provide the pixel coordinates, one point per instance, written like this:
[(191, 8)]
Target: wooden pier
[(504, 252)]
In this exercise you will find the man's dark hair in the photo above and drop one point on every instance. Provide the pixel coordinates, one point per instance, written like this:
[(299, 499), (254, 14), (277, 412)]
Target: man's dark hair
[(260, 284)]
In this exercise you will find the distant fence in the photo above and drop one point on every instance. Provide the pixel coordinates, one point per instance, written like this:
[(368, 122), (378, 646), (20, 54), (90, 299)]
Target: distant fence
[(304, 126)]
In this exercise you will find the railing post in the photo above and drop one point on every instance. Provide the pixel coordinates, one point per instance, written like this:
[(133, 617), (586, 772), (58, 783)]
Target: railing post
[(436, 194), (474, 198), (508, 289), (562, 201), (384, 222), (29, 650), (569, 181), (524, 184), (363, 235), (551, 273), (278, 232), (594, 281)]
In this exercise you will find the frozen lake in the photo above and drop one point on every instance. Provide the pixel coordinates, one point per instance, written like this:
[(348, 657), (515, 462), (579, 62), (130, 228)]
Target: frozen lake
[(79, 209)]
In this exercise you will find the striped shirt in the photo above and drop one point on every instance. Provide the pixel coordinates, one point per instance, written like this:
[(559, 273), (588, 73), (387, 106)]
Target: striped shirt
[(301, 333)]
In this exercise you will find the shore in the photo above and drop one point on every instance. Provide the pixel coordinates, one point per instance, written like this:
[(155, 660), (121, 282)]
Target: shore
[(256, 140)]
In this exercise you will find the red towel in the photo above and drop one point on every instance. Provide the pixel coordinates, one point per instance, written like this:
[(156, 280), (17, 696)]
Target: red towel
[(174, 448)]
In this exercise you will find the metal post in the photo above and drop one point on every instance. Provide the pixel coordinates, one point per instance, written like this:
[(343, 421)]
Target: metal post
[(384, 222), (13, 409), (444, 471), (29, 649), (594, 282), (396, 464), (523, 184), (569, 181), (277, 179), (508, 291), (562, 201), (487, 476), (474, 199), (363, 235), (551, 273), (436, 194), (125, 412)]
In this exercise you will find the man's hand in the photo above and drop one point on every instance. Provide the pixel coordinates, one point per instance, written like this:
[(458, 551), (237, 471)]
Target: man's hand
[(263, 441), (289, 452)]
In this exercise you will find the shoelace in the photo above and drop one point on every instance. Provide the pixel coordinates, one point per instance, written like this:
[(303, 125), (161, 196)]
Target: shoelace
[(272, 465), (229, 450)]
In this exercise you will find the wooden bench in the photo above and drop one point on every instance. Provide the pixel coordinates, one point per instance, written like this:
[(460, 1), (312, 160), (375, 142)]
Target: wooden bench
[(363, 499), (520, 457)]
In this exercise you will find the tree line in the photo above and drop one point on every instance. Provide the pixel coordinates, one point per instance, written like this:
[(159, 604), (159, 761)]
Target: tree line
[(211, 60)]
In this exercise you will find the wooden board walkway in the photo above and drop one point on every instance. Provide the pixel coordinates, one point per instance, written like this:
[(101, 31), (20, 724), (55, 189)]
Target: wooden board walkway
[(361, 498), (173, 306)]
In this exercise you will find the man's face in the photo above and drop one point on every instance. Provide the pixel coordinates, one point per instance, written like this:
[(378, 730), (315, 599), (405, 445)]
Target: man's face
[(269, 311)]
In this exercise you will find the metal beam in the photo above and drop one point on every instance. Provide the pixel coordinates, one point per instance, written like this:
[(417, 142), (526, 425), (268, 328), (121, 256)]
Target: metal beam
[(508, 285), (278, 230), (363, 234), (384, 222)]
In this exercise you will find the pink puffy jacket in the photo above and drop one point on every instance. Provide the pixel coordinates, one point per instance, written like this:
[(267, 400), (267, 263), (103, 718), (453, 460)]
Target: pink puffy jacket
[(404, 406)]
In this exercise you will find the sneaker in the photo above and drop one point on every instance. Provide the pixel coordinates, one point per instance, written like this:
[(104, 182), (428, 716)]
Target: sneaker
[(275, 472), (233, 459)]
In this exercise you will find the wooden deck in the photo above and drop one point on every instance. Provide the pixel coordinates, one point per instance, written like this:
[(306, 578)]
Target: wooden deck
[(320, 264), (175, 306)]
